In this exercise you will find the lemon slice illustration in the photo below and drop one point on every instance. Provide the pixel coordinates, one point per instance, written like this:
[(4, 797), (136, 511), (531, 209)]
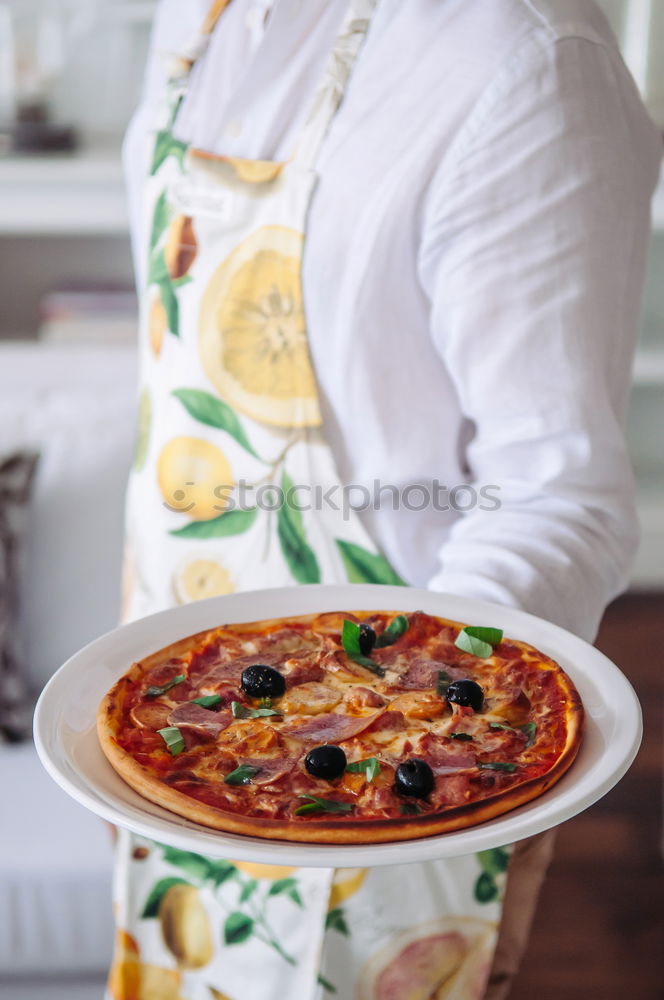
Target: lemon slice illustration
[(197, 579), (253, 340), (345, 884), (194, 477)]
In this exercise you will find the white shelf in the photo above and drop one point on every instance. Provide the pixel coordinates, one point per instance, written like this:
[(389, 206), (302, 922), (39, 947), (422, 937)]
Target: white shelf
[(70, 194)]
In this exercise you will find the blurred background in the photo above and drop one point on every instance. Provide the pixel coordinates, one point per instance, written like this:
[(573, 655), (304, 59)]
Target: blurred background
[(70, 75)]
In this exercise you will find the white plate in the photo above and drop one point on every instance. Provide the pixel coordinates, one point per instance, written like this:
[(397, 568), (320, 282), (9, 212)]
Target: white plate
[(67, 742)]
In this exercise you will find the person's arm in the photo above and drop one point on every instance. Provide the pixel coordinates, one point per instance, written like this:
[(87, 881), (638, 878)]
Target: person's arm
[(536, 230)]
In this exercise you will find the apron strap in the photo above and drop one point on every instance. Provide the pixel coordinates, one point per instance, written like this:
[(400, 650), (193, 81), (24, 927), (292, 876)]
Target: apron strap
[(331, 88)]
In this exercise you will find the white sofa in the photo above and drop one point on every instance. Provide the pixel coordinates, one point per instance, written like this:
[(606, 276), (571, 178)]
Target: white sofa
[(75, 405)]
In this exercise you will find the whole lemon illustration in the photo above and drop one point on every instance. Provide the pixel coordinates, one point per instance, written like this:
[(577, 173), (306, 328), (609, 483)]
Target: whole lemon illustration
[(185, 926), (194, 477), (345, 884), (263, 871), (253, 339), (131, 979), (157, 324)]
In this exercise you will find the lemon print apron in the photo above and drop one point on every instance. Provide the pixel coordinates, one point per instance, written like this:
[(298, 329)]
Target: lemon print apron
[(222, 497)]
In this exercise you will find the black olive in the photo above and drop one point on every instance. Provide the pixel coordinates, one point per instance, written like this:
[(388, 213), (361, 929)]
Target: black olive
[(326, 762), (260, 681), (367, 639), (414, 777), (466, 693)]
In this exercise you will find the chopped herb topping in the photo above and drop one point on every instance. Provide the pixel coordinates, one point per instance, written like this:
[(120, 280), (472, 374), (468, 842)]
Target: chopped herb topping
[(530, 729), (242, 712), (497, 765), (155, 689), (370, 766), (173, 739), (207, 700), (477, 640), (242, 775), (322, 805), (350, 640), (464, 737), (410, 809), (394, 631), (443, 682)]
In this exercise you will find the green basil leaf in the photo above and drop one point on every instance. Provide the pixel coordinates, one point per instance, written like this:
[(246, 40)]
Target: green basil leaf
[(497, 765), (500, 725), (336, 920), (213, 412), (231, 522), (530, 729), (410, 809), (242, 712), (298, 554), (443, 682), (394, 631), (363, 566), (237, 928), (155, 690), (157, 893), (169, 301), (322, 805), (491, 635), (242, 775), (173, 739), (464, 737), (469, 644), (370, 766), (350, 640), (207, 700)]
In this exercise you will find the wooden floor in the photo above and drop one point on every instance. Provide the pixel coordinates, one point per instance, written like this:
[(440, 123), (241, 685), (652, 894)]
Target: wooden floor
[(599, 931)]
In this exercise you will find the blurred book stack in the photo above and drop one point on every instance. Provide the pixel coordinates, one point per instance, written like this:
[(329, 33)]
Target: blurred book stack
[(90, 315)]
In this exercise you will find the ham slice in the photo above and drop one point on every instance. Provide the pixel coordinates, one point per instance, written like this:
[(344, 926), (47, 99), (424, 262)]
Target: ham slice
[(190, 717), (272, 769), (330, 727)]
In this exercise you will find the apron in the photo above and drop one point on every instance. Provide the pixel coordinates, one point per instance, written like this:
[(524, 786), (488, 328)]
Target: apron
[(231, 459)]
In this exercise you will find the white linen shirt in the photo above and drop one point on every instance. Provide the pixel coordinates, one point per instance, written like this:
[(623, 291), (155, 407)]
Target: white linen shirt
[(473, 269)]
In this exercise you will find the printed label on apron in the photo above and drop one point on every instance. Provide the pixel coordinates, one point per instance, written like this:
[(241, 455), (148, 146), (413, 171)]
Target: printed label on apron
[(190, 196)]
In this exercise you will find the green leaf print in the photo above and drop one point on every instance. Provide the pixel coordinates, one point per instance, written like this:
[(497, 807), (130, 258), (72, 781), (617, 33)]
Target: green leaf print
[(160, 219), (237, 928), (486, 890), (326, 984), (170, 303), (494, 861), (231, 522), (165, 146), (337, 921), (290, 530), (157, 893), (248, 889), (221, 872), (193, 864), (287, 886), (157, 269), (363, 566), (211, 410)]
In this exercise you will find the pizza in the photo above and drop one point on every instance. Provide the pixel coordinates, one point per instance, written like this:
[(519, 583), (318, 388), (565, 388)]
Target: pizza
[(343, 727)]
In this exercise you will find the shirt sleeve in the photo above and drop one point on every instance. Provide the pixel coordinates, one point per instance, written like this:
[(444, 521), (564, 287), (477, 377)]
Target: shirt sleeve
[(535, 237)]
